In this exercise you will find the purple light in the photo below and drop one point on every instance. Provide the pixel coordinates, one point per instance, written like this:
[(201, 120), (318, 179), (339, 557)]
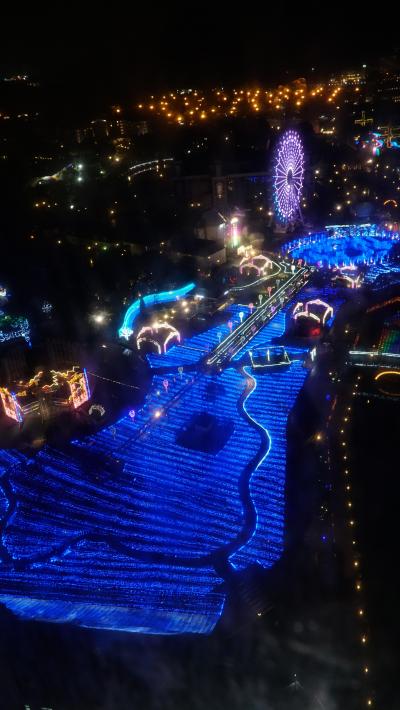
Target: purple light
[(288, 176)]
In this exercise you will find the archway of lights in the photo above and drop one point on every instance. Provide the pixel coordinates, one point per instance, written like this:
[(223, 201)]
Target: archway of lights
[(288, 174), (316, 309), (159, 334), (259, 263), (344, 245)]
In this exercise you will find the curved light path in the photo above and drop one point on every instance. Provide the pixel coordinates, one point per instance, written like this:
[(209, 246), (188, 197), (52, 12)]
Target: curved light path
[(269, 406)]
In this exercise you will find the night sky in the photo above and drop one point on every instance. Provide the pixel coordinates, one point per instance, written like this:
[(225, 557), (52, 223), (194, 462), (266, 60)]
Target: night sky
[(125, 50)]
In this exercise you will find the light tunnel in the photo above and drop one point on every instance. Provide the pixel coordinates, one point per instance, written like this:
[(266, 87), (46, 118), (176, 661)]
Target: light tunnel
[(152, 299)]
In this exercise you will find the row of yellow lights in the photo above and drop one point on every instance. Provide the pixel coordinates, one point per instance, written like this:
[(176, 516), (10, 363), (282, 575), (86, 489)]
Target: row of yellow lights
[(351, 522), (256, 99)]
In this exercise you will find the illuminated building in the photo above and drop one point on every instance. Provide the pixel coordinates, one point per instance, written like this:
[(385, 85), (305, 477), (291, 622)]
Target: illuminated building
[(11, 408), (353, 78), (68, 390), (389, 87)]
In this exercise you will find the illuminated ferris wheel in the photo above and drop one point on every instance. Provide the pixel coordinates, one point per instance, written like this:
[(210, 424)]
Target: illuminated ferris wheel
[(288, 172)]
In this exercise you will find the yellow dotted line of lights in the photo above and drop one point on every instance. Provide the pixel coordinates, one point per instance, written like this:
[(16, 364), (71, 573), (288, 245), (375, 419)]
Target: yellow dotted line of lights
[(359, 588)]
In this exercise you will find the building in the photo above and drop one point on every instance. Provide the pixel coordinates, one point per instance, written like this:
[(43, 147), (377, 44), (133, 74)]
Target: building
[(211, 226), (204, 252), (46, 394), (388, 87), (351, 77)]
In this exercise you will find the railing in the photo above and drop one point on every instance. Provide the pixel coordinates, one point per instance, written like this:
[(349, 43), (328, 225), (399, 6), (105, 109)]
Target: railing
[(245, 332)]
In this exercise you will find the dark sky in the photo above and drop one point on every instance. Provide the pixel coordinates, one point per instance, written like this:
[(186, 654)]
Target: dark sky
[(132, 49)]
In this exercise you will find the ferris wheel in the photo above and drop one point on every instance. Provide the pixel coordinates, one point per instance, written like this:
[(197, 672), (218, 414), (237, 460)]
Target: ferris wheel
[(288, 173)]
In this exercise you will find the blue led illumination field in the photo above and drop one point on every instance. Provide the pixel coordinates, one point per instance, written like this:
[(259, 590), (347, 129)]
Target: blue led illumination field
[(196, 347), (382, 275), (269, 405), (131, 527), (344, 245), (119, 592), (274, 329)]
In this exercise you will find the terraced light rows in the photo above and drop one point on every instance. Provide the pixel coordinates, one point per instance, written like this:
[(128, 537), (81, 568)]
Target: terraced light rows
[(269, 405), (126, 528)]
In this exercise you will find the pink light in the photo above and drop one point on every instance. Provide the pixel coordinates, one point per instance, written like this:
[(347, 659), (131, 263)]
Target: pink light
[(234, 232)]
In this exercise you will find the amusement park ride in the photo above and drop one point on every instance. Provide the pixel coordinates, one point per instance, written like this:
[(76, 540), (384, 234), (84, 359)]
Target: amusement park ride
[(288, 176)]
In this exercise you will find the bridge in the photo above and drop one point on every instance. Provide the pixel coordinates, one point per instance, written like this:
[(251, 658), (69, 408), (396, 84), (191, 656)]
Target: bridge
[(237, 340), (149, 166)]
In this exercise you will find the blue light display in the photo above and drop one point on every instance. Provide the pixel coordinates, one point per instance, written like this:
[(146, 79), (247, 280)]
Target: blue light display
[(152, 299), (194, 348), (382, 275), (13, 327), (269, 404), (130, 529), (343, 245)]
